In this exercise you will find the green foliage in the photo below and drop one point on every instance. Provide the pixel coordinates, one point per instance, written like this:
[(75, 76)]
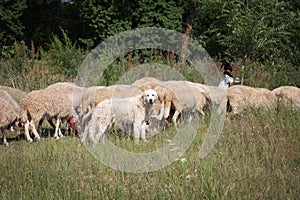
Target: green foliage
[(111, 17), (265, 33), (11, 24), (44, 18), (64, 56)]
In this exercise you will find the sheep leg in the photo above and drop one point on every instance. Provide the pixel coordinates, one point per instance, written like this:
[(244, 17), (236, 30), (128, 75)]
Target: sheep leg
[(54, 126), (161, 112), (175, 116), (167, 108), (57, 129), (17, 128), (34, 131), (60, 133), (26, 127), (4, 137)]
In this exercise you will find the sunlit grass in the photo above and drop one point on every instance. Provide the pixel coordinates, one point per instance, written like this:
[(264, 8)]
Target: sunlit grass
[(256, 157)]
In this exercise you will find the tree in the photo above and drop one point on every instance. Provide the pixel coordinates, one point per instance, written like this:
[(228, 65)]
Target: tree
[(266, 32), (106, 18), (44, 18), (10, 23)]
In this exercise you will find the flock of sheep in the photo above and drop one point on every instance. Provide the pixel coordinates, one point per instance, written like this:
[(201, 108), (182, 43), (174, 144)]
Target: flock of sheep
[(139, 107)]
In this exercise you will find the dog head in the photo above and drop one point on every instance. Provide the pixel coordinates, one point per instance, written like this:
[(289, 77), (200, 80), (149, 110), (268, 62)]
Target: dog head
[(150, 96)]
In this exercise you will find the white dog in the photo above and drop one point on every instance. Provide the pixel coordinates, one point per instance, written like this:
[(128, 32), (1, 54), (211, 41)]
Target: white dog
[(129, 114)]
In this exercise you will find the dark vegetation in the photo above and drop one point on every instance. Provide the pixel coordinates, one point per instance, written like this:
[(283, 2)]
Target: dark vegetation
[(46, 41)]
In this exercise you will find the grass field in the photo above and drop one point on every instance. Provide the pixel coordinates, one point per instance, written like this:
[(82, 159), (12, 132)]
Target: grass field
[(256, 157)]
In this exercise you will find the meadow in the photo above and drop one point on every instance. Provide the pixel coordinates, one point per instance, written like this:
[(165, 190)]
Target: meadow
[(256, 157)]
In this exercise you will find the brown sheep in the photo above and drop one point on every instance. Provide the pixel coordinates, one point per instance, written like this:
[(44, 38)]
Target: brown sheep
[(6, 96), (16, 94), (288, 95), (75, 95), (8, 118), (145, 81), (241, 97), (192, 98), (42, 104)]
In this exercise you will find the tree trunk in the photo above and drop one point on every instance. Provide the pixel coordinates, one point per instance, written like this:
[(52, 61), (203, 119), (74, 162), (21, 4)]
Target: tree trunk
[(185, 41), (187, 32), (243, 68)]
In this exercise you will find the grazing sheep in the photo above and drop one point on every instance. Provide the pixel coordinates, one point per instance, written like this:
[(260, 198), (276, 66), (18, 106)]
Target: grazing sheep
[(8, 117), (73, 91), (16, 94), (288, 95), (96, 95), (216, 94), (32, 111), (241, 97), (191, 97), (75, 95), (130, 114), (115, 91), (145, 81), (43, 104), (88, 97), (6, 96)]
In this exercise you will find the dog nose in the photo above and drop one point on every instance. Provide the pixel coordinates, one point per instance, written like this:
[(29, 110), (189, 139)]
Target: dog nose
[(151, 101)]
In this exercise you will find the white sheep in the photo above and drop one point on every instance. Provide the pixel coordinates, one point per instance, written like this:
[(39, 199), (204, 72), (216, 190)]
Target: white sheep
[(94, 95)]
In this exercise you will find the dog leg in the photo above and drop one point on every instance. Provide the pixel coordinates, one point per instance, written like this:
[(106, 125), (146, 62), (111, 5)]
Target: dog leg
[(143, 130), (136, 132), (167, 108)]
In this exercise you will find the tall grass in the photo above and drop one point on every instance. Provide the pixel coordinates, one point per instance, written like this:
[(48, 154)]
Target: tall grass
[(256, 157), (33, 68)]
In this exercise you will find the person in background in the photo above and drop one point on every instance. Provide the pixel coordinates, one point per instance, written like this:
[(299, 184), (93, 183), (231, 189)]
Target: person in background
[(227, 79)]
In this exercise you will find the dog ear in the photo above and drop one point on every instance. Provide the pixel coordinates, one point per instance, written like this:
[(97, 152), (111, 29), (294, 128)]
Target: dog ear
[(141, 97)]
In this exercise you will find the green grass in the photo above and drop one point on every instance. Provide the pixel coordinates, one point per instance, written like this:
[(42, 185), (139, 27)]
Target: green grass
[(256, 157)]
